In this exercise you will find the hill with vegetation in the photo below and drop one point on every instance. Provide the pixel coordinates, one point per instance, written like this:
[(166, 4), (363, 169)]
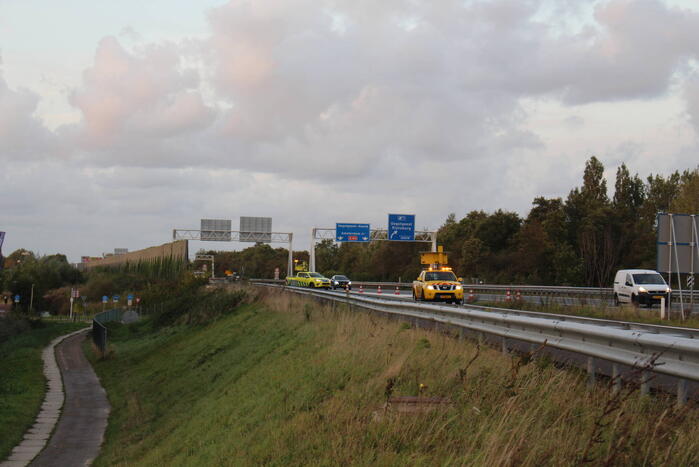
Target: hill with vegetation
[(247, 377)]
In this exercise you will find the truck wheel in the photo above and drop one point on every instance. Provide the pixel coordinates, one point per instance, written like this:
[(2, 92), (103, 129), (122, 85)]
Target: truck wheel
[(310, 285), (616, 300), (634, 300), (414, 296)]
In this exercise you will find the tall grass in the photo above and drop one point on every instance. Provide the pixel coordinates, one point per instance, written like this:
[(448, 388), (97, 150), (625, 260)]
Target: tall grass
[(22, 382), (286, 380)]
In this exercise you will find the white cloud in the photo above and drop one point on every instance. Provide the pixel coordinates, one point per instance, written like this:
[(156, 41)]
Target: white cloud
[(138, 95)]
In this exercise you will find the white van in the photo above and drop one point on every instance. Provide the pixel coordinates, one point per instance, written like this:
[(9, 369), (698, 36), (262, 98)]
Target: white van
[(640, 286)]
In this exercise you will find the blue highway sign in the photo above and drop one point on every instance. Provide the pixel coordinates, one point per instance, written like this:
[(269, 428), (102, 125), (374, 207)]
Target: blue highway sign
[(16, 298), (115, 299), (401, 227), (352, 232), (105, 299)]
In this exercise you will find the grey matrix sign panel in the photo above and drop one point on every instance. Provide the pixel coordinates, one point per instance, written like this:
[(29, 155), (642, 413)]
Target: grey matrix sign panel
[(256, 229), (217, 230), (677, 243)]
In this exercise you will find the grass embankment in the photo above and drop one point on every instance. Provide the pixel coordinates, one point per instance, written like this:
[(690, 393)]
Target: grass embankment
[(621, 313), (22, 381), (287, 381)]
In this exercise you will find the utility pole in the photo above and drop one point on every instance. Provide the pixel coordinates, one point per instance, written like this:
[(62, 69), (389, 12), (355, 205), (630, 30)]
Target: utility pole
[(31, 300)]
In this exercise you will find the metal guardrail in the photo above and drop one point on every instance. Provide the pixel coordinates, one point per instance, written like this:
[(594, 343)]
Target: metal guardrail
[(99, 330), (605, 293), (607, 347)]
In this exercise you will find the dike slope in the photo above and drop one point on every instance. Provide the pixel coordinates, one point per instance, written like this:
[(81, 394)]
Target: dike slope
[(289, 381)]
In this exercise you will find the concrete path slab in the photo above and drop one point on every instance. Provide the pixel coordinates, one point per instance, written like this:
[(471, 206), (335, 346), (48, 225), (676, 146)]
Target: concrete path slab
[(83, 420)]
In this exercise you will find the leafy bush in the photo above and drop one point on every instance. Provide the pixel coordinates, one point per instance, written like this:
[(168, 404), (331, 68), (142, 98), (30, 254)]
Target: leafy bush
[(14, 325)]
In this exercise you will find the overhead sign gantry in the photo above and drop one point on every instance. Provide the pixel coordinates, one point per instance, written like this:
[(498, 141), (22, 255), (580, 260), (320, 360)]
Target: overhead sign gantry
[(207, 233), (401, 227)]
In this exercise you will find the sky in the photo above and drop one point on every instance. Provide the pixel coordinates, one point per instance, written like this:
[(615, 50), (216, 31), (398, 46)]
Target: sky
[(121, 121)]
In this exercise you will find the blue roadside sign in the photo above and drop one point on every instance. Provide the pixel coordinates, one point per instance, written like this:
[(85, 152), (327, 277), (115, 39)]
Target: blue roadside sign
[(401, 227), (16, 298), (105, 299), (115, 299), (352, 232), (129, 297)]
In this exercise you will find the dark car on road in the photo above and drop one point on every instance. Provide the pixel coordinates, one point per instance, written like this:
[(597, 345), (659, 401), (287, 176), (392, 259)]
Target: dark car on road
[(340, 282)]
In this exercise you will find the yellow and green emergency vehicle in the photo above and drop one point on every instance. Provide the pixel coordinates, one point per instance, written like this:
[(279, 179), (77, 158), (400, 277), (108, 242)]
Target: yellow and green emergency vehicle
[(308, 279)]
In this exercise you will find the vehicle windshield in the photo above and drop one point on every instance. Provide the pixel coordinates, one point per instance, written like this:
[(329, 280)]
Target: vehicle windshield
[(341, 278), (653, 279), (315, 274), (440, 276)]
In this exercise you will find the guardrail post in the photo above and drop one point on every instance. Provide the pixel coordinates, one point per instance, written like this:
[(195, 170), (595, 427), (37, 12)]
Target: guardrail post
[(681, 392), (645, 383), (616, 378), (590, 372)]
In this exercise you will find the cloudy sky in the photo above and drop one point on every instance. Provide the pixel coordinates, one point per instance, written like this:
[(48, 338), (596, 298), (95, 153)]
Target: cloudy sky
[(120, 121)]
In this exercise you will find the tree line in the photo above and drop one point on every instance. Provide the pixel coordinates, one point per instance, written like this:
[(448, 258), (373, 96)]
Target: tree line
[(578, 241)]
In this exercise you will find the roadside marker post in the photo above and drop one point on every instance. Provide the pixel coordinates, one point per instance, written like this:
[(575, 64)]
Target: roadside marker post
[(397, 291), (74, 293), (662, 308), (379, 291)]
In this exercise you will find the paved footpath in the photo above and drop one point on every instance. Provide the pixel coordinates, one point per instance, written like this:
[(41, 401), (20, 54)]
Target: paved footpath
[(80, 429), (81, 424)]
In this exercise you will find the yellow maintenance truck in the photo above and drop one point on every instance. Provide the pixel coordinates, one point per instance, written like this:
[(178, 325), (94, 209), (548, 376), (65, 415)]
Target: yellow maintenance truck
[(437, 282)]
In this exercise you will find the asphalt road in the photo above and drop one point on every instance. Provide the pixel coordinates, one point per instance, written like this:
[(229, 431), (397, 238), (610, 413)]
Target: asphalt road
[(405, 294)]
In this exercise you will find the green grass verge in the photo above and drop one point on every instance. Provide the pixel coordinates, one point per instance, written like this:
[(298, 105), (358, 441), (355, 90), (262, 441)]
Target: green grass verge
[(22, 381), (285, 381)]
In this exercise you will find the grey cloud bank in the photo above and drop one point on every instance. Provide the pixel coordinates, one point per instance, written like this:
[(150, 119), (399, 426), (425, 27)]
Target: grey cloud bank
[(287, 105)]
